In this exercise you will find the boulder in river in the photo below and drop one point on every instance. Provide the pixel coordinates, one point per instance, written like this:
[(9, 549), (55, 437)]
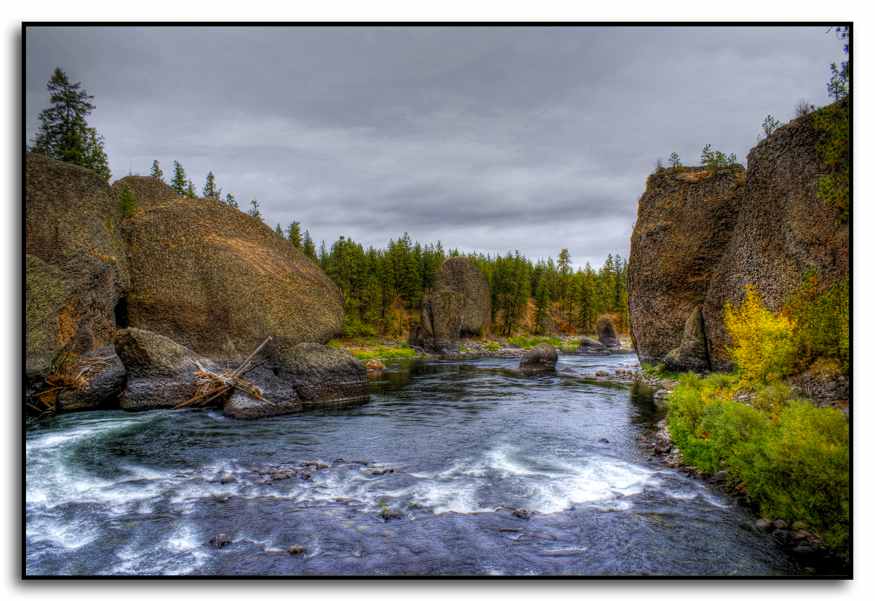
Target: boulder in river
[(323, 376), (541, 358), (104, 379), (458, 306), (589, 345), (160, 371), (279, 396), (607, 332)]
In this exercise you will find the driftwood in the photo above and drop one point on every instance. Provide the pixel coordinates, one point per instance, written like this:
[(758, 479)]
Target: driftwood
[(65, 378), (214, 385)]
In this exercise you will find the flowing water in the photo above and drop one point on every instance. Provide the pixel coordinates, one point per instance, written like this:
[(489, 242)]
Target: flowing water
[(435, 475)]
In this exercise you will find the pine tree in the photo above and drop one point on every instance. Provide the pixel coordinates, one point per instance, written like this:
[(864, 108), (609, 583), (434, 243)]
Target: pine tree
[(64, 133), (179, 180), (294, 234), (254, 210), (210, 190), (308, 246), (279, 231), (156, 171), (189, 190), (231, 201)]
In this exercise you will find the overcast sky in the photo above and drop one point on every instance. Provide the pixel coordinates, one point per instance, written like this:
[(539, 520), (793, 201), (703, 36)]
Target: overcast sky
[(488, 139)]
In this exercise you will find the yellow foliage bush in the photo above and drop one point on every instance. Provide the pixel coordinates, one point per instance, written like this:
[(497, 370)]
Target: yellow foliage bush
[(764, 347)]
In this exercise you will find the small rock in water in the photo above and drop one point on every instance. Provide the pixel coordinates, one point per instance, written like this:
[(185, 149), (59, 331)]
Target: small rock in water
[(764, 524), (380, 471), (222, 498), (296, 550), (227, 478), (604, 441), (220, 540), (387, 513), (523, 514), (602, 374)]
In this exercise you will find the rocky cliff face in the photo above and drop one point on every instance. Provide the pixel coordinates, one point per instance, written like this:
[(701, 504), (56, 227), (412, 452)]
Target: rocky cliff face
[(196, 271), (685, 220), (460, 305), (76, 263), (700, 239)]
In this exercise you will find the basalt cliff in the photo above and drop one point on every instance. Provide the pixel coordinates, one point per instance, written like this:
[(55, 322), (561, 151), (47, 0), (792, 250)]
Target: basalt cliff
[(703, 237)]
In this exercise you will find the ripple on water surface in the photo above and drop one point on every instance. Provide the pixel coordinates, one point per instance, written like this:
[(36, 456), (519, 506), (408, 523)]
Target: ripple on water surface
[(452, 468)]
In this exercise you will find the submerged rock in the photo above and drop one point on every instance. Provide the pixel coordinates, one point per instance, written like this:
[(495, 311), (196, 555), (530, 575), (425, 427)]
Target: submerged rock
[(541, 358), (160, 371)]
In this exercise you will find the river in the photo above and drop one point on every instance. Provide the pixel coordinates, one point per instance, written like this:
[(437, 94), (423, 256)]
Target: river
[(451, 468)]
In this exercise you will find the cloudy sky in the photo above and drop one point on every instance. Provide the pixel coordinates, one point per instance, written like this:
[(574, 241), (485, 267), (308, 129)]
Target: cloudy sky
[(488, 139)]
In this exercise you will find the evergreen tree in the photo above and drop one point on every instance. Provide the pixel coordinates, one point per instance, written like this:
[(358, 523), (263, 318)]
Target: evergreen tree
[(279, 231), (254, 210), (309, 246), (156, 171), (294, 234), (178, 182), (231, 201), (210, 190), (64, 133), (189, 190)]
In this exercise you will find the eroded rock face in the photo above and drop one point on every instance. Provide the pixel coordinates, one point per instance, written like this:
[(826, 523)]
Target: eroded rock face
[(701, 239), (105, 375), (607, 332), (219, 281), (76, 265), (541, 358), (149, 192), (460, 305), (783, 231), (160, 372), (685, 220), (323, 376), (692, 353)]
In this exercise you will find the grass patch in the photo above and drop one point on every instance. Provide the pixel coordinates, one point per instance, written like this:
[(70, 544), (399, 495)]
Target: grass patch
[(791, 457), (528, 342), (658, 370), (365, 349)]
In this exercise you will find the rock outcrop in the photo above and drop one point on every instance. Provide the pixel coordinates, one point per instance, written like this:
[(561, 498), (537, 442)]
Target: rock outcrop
[(540, 359), (160, 372), (607, 332), (685, 221), (279, 396), (324, 377), (219, 281), (76, 263), (692, 353), (702, 238), (104, 375), (459, 305)]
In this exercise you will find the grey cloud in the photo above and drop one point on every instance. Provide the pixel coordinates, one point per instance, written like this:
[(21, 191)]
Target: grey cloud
[(490, 139)]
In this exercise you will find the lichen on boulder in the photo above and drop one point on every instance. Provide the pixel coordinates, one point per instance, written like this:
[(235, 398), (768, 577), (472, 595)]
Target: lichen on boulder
[(219, 281)]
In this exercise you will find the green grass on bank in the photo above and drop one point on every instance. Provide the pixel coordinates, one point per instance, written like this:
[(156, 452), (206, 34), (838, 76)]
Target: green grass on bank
[(789, 456), (365, 349), (528, 342)]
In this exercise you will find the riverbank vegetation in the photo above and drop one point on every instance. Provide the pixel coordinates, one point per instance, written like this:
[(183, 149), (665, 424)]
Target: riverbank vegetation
[(789, 456)]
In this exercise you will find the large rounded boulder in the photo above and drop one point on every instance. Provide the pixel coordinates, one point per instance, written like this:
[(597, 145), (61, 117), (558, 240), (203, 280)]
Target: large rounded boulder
[(76, 269), (459, 305), (542, 358), (219, 281)]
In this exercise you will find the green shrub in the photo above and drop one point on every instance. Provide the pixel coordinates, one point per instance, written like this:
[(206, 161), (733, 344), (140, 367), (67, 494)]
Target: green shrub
[(528, 342), (492, 346), (127, 201), (822, 317), (791, 457), (355, 328), (833, 187)]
